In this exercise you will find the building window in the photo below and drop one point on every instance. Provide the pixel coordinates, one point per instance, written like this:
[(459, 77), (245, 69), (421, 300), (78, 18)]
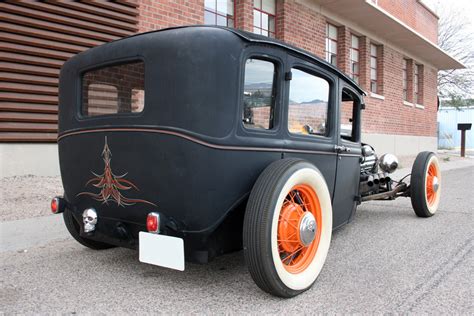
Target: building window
[(373, 68), (258, 94), (308, 104), (405, 79), (264, 17), (219, 12), (355, 58), (417, 85), (331, 44)]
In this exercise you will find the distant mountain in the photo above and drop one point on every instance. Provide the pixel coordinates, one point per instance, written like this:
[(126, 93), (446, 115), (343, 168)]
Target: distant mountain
[(315, 101), (257, 86)]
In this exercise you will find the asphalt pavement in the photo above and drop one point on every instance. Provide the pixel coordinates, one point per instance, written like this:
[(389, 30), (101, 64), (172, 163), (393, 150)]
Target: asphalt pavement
[(386, 261)]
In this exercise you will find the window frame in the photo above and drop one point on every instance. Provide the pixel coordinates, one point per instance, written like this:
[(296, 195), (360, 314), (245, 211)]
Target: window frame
[(352, 61), (261, 11), (416, 85), (111, 63), (375, 57), (275, 125), (330, 108), (216, 14), (329, 40), (356, 115), (405, 79)]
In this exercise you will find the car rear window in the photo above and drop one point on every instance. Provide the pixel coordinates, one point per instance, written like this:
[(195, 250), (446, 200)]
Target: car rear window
[(113, 90)]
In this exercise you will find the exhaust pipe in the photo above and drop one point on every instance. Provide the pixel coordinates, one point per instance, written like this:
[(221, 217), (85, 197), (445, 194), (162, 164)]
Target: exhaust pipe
[(387, 178), (370, 181), (376, 179), (382, 178)]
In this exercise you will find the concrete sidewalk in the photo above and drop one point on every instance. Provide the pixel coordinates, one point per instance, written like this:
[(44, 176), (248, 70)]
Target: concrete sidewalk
[(32, 232)]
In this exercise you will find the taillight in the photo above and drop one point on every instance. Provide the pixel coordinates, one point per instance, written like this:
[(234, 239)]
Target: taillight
[(153, 222), (57, 205)]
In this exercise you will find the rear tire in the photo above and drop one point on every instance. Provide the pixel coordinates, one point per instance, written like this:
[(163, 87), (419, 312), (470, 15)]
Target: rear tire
[(280, 259), (425, 184), (74, 229)]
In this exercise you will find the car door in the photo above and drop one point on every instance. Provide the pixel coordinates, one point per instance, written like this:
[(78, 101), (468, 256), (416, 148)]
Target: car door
[(348, 150), (310, 116)]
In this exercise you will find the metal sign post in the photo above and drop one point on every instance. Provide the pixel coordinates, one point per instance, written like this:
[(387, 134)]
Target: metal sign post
[(463, 127)]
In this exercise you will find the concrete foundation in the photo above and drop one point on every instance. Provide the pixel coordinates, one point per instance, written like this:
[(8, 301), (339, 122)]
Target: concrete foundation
[(24, 159), (400, 145)]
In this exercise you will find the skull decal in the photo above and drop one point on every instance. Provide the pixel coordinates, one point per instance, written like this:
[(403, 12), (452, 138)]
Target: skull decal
[(89, 218)]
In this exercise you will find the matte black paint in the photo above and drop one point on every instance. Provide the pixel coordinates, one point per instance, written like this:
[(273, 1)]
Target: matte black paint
[(188, 151)]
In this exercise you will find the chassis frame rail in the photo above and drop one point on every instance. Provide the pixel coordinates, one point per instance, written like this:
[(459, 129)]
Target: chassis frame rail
[(402, 189)]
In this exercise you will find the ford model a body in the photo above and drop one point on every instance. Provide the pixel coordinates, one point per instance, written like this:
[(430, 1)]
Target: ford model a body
[(191, 142)]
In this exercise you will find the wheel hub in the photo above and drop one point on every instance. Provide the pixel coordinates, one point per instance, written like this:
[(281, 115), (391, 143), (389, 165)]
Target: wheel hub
[(307, 228), (296, 228), (435, 184)]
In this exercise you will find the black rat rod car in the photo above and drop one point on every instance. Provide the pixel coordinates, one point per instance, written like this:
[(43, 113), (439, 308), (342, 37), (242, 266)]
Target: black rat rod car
[(191, 142)]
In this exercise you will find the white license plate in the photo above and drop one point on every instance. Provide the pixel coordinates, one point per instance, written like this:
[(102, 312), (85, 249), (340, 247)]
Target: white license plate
[(161, 250)]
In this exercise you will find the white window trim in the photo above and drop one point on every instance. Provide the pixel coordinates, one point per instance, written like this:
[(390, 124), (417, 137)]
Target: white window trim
[(408, 103), (377, 96), (419, 106)]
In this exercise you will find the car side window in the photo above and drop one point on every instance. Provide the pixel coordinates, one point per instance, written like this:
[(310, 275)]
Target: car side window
[(349, 107), (308, 104), (258, 98)]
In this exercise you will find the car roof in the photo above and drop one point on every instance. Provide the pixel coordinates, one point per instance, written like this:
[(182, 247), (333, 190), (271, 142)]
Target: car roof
[(256, 38)]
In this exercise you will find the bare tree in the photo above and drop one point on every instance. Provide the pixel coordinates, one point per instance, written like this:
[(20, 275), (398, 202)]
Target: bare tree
[(455, 86)]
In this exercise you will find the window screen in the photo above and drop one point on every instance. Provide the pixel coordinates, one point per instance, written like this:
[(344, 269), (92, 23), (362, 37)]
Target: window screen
[(258, 94), (308, 104), (113, 90)]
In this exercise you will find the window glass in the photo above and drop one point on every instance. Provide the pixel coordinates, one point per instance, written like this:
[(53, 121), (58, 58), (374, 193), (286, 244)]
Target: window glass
[(258, 94), (416, 80), (308, 104), (373, 68), (349, 107), (269, 6), (114, 89), (331, 44), (405, 79), (219, 12), (264, 12), (354, 56)]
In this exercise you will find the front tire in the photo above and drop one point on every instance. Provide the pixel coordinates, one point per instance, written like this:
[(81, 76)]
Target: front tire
[(74, 229), (287, 227), (425, 184)]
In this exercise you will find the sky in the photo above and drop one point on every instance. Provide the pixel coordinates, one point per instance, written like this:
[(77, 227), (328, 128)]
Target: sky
[(464, 7)]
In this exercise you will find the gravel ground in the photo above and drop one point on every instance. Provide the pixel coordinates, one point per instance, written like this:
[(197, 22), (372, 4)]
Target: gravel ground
[(27, 196), (387, 261)]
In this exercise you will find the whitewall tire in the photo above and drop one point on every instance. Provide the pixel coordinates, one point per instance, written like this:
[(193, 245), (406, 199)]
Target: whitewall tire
[(287, 227)]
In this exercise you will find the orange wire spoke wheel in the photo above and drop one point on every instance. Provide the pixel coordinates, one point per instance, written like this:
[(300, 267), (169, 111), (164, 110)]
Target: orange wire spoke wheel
[(432, 183), (425, 184), (299, 228)]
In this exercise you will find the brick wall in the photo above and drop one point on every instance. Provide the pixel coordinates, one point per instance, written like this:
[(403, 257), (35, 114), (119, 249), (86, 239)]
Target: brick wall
[(155, 15), (300, 26), (391, 115), (304, 27), (415, 15)]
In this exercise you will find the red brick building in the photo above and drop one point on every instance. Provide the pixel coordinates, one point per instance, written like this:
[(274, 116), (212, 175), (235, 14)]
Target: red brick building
[(389, 47)]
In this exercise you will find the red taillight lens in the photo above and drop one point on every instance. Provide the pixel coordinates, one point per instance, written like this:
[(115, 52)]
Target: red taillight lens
[(55, 205), (153, 223)]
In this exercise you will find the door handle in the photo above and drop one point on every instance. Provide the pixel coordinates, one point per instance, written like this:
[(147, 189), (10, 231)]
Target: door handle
[(341, 149)]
